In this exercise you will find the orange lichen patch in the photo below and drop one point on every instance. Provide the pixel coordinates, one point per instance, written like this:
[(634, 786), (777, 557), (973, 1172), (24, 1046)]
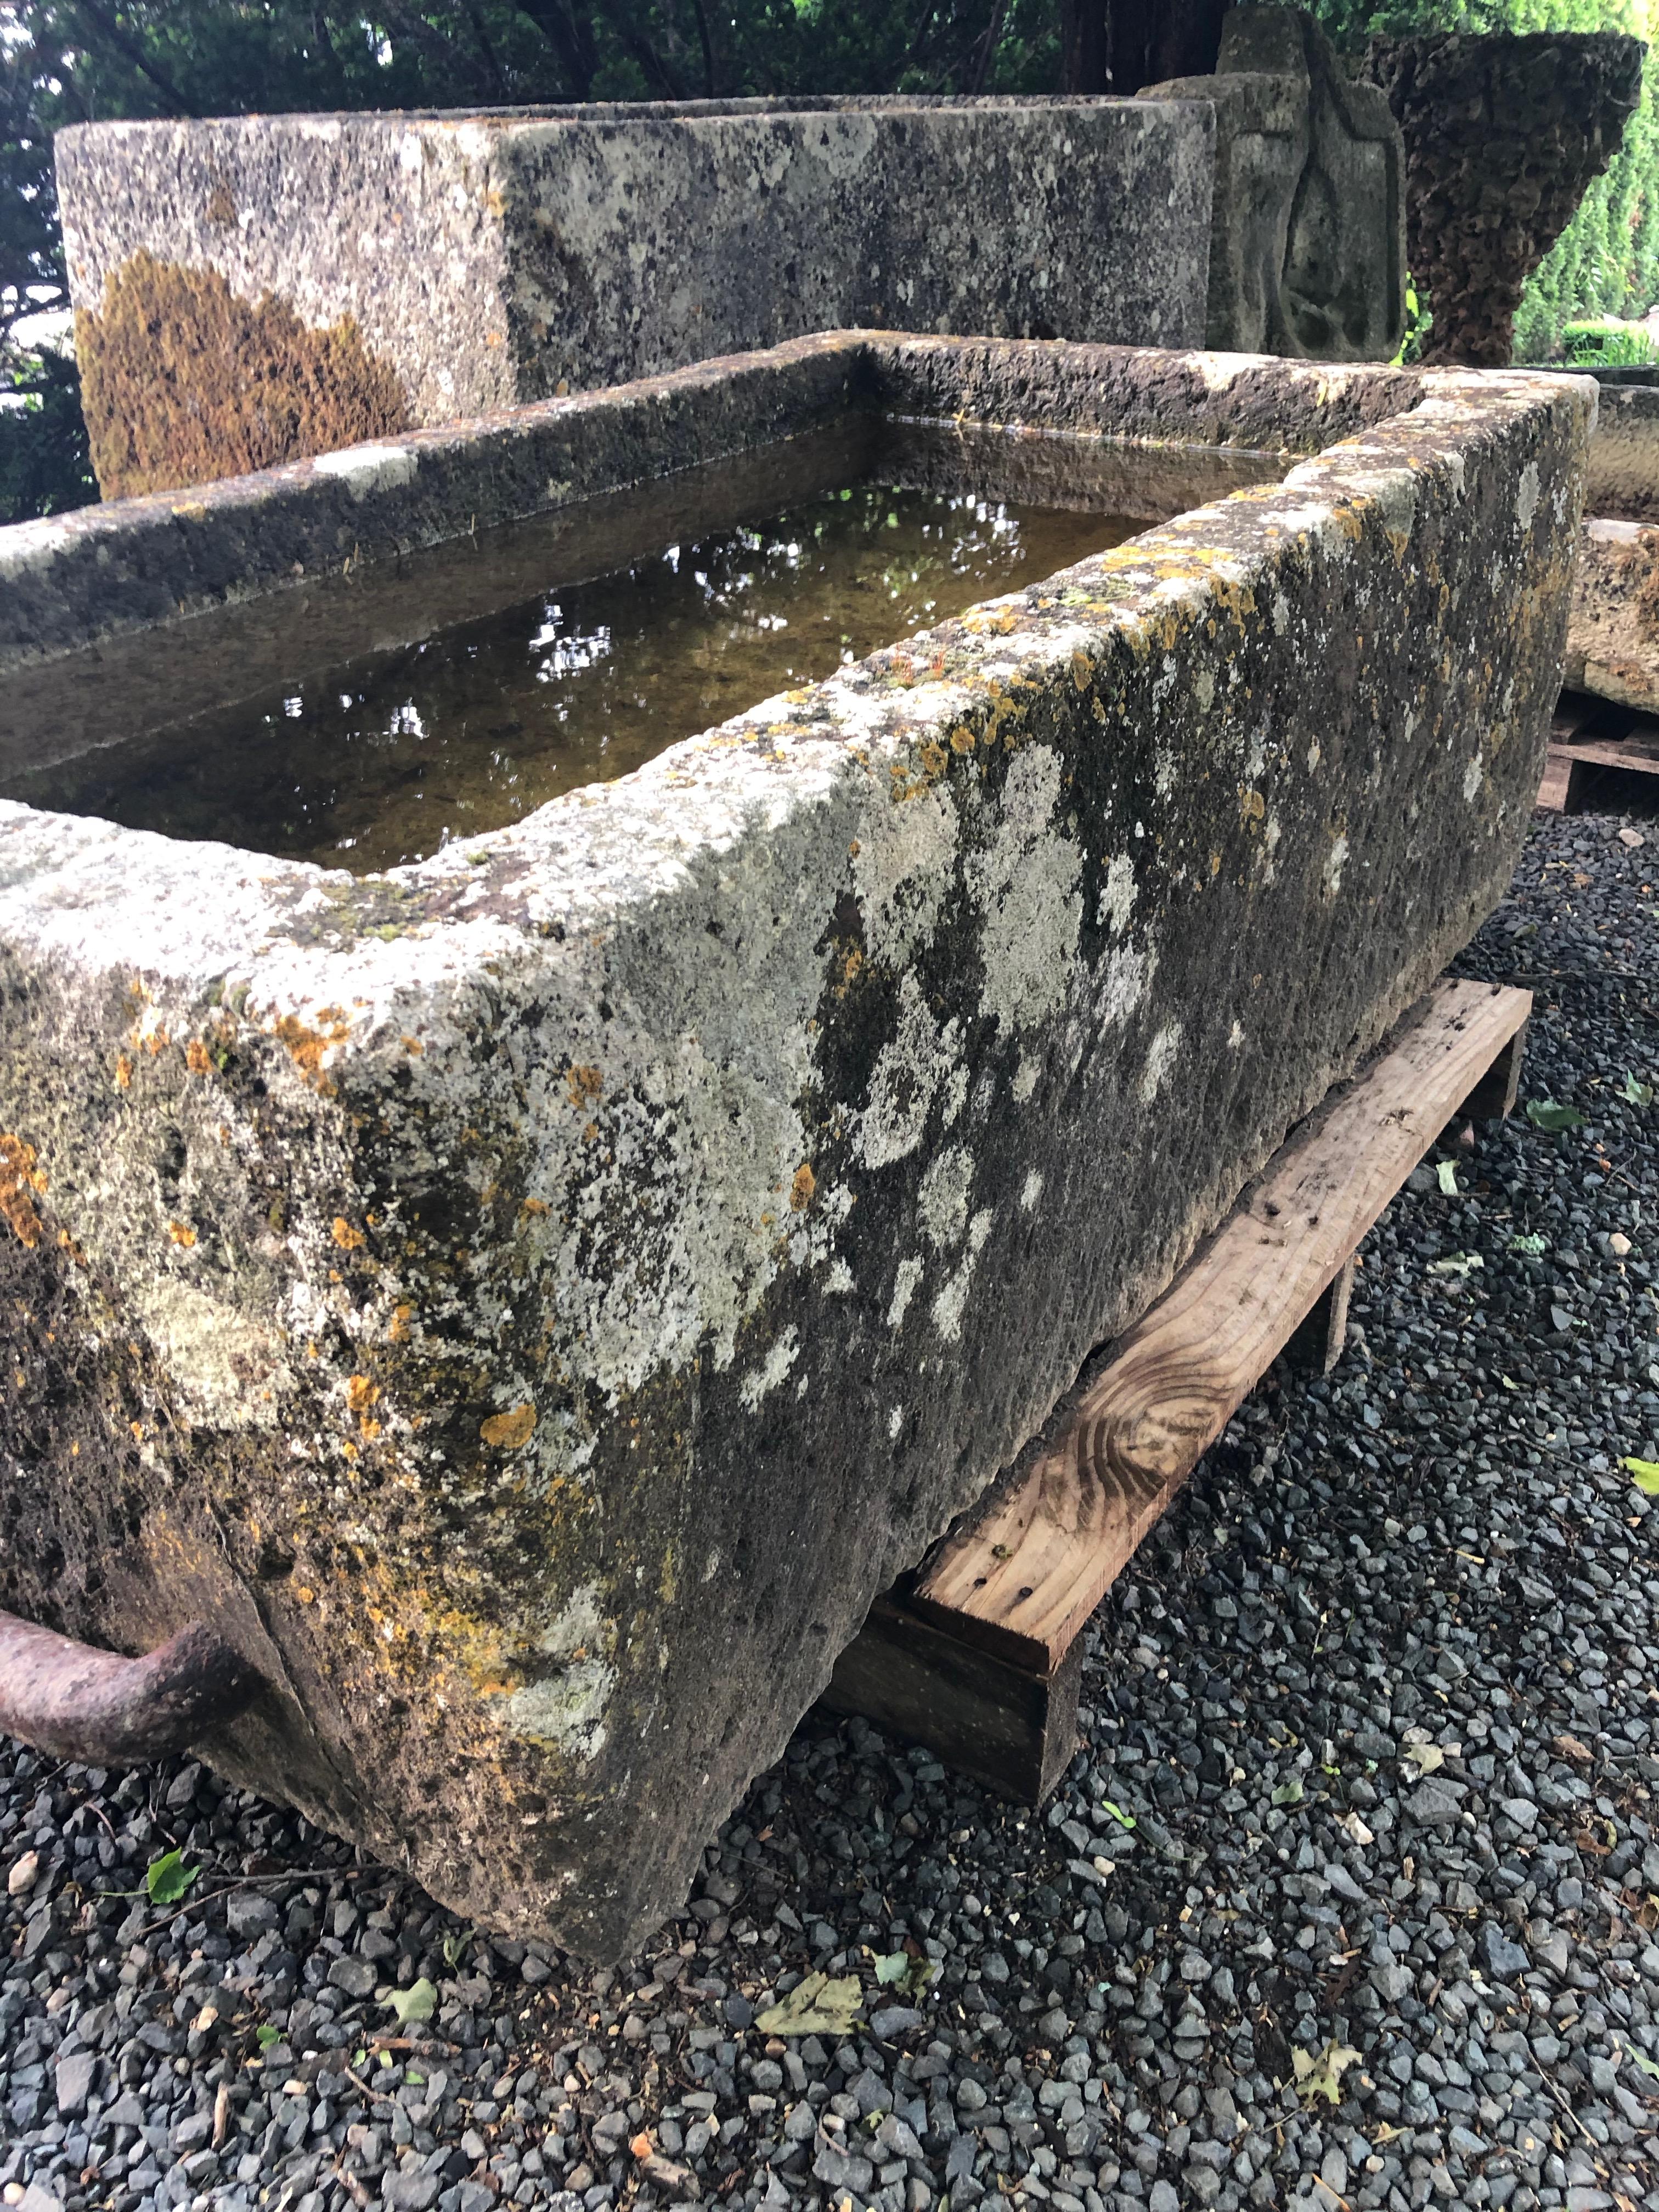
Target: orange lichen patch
[(584, 1085), (533, 1206), (507, 1431), (197, 1059), (348, 1238), (181, 1233), (413, 1045), (122, 1072), (19, 1177), (805, 1183), (307, 1046), (398, 1328), (181, 381), (360, 1393)]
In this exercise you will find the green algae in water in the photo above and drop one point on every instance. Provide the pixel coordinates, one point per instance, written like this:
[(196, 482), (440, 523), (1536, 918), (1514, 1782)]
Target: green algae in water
[(387, 757)]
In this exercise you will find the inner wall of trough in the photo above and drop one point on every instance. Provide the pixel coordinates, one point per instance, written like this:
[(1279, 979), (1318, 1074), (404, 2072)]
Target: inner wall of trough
[(157, 679)]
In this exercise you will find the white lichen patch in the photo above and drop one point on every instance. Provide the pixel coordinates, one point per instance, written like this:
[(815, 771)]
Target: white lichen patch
[(943, 1200), (1160, 1057), (1335, 860), (903, 869), (1031, 1191), (950, 1301), (772, 1369), (1473, 775), (922, 1061), (910, 1273), (1117, 897), (1026, 886), (565, 1707)]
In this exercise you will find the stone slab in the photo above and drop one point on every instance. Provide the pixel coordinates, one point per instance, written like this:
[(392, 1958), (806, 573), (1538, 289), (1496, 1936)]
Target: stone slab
[(532, 1302), (1612, 637), (1307, 244), (251, 290)]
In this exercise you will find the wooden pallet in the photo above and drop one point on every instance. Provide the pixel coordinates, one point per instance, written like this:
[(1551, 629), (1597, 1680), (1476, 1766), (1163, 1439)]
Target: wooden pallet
[(1586, 736), (978, 1654)]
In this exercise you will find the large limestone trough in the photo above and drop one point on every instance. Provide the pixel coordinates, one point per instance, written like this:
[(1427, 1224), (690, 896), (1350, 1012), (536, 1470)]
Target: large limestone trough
[(532, 1301)]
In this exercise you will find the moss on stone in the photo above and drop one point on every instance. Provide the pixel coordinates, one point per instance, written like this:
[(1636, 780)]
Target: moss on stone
[(182, 382)]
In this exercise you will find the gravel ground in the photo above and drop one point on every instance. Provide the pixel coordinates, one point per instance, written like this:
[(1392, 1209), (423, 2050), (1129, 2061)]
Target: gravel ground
[(1381, 1702)]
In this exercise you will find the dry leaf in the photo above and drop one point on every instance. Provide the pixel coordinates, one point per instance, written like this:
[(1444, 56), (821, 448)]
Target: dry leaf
[(1353, 1825), (816, 2006), (1426, 1758), (1322, 2076)]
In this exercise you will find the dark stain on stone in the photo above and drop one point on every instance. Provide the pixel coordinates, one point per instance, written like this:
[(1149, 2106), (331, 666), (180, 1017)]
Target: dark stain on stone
[(182, 382)]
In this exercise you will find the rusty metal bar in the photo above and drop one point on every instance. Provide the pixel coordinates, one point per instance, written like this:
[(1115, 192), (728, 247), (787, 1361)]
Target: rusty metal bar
[(72, 1701)]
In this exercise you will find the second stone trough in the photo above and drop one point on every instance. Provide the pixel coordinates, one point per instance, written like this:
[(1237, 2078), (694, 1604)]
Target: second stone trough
[(531, 1300)]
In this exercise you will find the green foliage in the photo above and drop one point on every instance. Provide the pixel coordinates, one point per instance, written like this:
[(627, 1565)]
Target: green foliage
[(44, 463), (1607, 345), (166, 1879)]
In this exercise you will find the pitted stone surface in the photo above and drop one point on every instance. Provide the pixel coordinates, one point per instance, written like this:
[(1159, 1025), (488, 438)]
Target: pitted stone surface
[(478, 261), (534, 1300)]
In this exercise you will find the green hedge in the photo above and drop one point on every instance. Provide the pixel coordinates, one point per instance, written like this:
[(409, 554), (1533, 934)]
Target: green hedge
[(1607, 260)]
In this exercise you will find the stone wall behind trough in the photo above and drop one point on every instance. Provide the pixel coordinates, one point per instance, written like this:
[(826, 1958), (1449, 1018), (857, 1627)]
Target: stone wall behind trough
[(250, 291)]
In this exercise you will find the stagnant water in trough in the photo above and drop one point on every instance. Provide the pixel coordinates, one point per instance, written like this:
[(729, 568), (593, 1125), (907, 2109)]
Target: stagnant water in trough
[(383, 758)]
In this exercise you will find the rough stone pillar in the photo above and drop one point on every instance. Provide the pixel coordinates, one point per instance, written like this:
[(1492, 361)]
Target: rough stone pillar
[(1502, 136)]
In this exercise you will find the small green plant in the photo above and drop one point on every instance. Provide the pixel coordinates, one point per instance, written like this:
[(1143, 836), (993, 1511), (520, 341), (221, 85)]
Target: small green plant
[(166, 1879), (1419, 321)]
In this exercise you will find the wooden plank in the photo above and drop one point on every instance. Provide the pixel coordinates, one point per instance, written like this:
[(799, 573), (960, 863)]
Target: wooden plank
[(1317, 1343), (1493, 1098), (1024, 1577), (1607, 752), (1004, 1725), (1558, 777)]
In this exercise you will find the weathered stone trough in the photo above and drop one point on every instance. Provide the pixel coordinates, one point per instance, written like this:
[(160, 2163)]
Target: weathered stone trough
[(531, 1302)]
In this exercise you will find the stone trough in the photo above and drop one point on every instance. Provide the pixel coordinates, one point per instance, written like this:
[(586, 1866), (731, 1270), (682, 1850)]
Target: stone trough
[(530, 1302)]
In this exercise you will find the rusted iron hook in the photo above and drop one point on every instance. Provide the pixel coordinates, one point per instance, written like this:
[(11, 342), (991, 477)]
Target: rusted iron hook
[(72, 1701)]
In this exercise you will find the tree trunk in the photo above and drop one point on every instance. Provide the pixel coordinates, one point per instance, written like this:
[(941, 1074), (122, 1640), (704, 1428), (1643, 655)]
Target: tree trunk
[(1119, 45)]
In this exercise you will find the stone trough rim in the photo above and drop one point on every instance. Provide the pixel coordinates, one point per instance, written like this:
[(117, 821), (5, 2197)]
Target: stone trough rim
[(540, 870)]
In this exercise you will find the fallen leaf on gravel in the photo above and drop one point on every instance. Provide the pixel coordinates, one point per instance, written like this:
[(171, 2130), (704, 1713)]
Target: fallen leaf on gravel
[(1547, 1114), (22, 1875), (1644, 1473), (1640, 2058), (1570, 1748), (816, 2006), (166, 1879), (898, 1970), (1322, 2076), (1354, 1827), (1426, 1758), (416, 2004), (1446, 1175), (1290, 1792), (641, 2146), (1634, 1093), (1457, 1263)]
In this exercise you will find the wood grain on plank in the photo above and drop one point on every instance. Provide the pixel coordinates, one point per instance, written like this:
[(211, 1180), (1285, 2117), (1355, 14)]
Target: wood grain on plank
[(1025, 1578)]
